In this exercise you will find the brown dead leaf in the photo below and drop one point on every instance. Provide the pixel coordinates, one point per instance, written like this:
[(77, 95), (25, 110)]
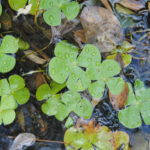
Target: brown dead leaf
[(101, 27), (36, 117), (21, 119), (6, 21), (33, 57), (39, 79), (119, 101), (148, 5), (132, 4), (106, 4), (80, 35)]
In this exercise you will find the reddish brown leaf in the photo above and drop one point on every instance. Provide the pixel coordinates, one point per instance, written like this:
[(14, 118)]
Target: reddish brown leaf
[(119, 101), (80, 35), (39, 79)]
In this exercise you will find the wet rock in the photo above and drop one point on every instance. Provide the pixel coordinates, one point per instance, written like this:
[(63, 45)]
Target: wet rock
[(23, 139), (105, 115), (140, 141)]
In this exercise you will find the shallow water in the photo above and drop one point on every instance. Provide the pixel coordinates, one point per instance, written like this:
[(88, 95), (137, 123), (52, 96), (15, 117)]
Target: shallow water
[(48, 127)]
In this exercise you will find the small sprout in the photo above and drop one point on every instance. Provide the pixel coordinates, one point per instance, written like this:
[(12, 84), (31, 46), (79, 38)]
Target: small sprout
[(12, 92), (54, 8), (9, 46), (124, 50), (91, 137), (138, 105)]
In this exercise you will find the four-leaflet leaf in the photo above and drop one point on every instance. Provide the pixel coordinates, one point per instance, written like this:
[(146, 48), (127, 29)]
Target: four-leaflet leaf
[(66, 67), (12, 93), (61, 105), (138, 105), (52, 15)]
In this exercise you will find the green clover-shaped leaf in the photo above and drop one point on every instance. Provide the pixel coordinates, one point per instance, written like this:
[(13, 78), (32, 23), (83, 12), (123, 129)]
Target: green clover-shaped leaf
[(97, 88), (99, 138), (1, 9), (115, 85), (23, 45), (66, 65), (138, 105), (52, 16), (109, 68), (54, 8), (70, 10), (35, 6), (14, 87), (61, 105), (7, 116), (7, 106), (4, 87), (16, 4), (43, 92), (8, 102), (130, 117), (50, 107), (73, 102), (9, 46), (12, 92), (53, 105), (46, 4), (104, 74)]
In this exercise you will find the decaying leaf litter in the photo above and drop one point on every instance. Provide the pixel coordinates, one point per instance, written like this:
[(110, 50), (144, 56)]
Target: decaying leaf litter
[(106, 25)]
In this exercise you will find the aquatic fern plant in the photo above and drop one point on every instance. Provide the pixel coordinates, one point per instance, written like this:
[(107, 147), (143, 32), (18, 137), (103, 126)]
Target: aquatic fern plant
[(79, 71)]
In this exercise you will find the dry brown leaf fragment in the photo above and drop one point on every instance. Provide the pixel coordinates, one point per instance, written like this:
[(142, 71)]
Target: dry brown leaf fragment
[(31, 55), (6, 21), (106, 4), (102, 28), (148, 4), (39, 79), (132, 4), (80, 35), (119, 101), (21, 119)]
